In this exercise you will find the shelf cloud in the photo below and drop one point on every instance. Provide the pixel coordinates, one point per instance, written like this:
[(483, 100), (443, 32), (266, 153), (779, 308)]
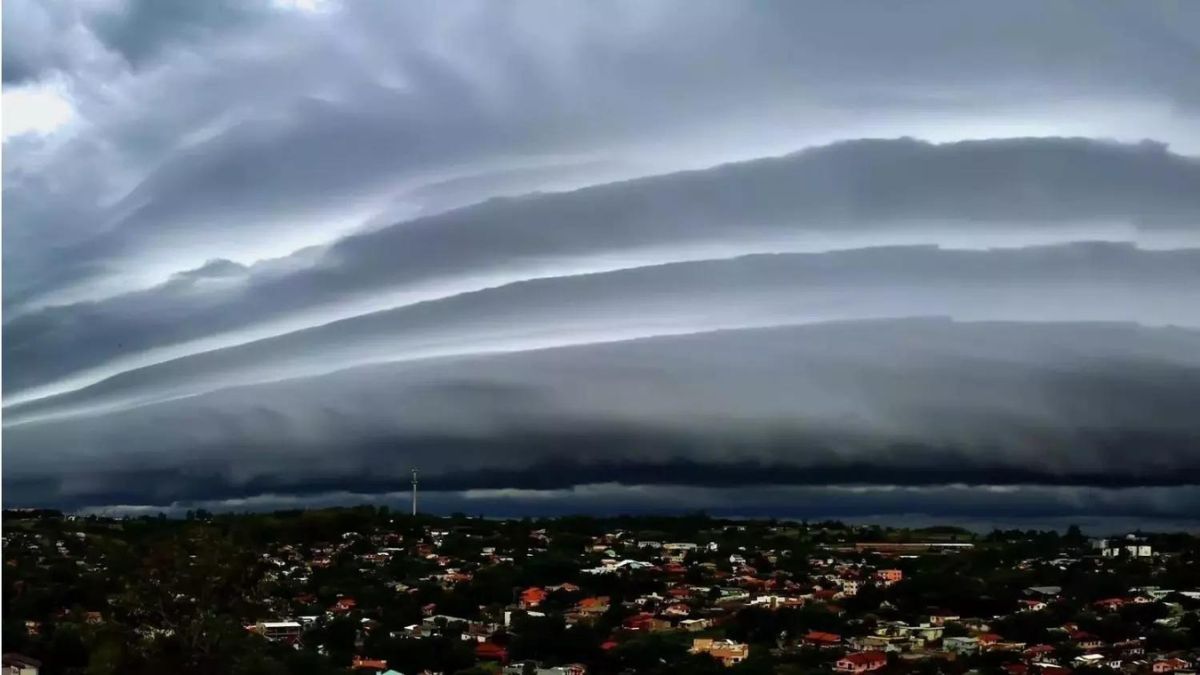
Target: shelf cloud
[(571, 256)]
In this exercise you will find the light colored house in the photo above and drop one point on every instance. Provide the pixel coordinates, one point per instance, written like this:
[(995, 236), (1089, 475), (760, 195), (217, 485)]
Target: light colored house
[(728, 652), (960, 645), (279, 631), (777, 601)]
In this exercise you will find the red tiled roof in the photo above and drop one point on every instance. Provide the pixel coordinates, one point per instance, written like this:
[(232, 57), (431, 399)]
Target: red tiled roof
[(823, 638), (865, 658), (594, 603)]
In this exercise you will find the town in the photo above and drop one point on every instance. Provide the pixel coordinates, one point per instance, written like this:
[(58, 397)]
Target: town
[(366, 590)]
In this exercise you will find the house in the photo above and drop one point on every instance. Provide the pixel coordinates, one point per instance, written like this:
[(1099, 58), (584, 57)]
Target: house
[(774, 602), (1138, 551), (942, 617), (960, 645), (816, 638), (1131, 550), (1131, 647), (1085, 640), (677, 610), (532, 597), (1038, 653), (728, 652), (988, 640), (362, 663), (593, 606), (490, 651), (1169, 665), (644, 621), (279, 631), (861, 662), (537, 669), (16, 664)]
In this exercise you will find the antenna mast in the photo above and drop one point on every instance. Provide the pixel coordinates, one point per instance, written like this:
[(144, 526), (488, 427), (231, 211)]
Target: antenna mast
[(414, 492)]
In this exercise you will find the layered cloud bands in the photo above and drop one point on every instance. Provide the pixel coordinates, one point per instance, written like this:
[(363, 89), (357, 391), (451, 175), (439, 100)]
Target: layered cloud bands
[(556, 298), (641, 333)]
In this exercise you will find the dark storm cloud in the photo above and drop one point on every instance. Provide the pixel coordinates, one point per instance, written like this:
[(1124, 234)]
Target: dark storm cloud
[(140, 30), (1099, 511), (263, 254), (981, 507), (874, 402), (47, 37)]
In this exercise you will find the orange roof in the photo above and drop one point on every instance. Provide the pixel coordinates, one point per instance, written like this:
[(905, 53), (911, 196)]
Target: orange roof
[(375, 664), (818, 636), (533, 595)]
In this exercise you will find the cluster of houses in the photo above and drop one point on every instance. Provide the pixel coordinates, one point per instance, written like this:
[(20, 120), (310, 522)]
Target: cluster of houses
[(703, 586), (697, 588)]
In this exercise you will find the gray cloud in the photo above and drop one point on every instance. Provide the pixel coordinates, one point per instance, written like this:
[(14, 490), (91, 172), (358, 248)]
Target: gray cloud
[(1099, 511), (308, 121), (1096, 282), (1051, 403), (1004, 192), (291, 250)]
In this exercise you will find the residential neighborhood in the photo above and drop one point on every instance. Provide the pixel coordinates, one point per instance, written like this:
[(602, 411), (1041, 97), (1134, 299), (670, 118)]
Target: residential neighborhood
[(368, 591)]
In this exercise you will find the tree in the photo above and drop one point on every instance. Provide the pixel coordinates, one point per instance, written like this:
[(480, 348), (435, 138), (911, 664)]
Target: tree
[(1074, 537)]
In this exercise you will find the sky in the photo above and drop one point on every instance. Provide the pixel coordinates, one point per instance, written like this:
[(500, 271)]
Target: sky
[(900, 261)]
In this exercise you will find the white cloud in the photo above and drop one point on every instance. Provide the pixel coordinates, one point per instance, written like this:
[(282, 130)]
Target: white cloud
[(39, 108)]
